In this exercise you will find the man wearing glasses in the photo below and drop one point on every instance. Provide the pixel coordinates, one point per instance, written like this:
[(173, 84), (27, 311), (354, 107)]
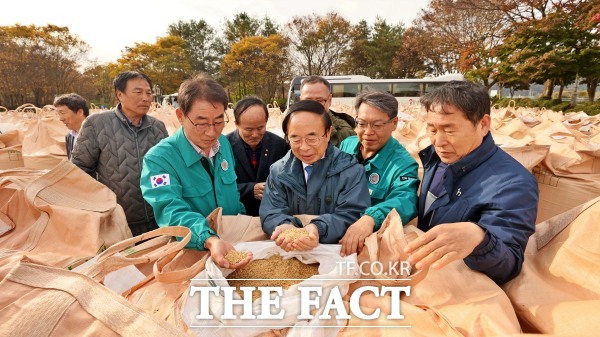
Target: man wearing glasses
[(191, 173), (390, 170), (317, 88), (313, 178)]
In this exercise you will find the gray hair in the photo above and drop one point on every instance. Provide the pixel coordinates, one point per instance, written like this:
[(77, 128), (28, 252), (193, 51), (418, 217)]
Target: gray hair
[(381, 100)]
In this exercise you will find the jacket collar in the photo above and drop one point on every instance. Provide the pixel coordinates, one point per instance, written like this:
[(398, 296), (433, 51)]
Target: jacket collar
[(381, 157), (189, 154), (123, 119), (292, 173)]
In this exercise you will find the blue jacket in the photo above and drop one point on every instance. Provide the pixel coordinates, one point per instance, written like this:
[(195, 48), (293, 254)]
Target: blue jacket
[(490, 188), (337, 192), (185, 193), (393, 180)]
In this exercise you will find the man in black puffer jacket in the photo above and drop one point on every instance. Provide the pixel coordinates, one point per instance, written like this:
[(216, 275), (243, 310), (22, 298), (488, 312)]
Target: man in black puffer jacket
[(112, 145)]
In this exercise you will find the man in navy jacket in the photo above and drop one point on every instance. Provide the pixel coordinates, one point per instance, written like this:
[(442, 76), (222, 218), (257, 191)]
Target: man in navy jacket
[(476, 203)]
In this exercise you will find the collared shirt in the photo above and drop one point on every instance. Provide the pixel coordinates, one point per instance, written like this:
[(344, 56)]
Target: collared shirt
[(75, 134), (131, 123), (304, 165), (213, 150), (436, 189), (253, 155)]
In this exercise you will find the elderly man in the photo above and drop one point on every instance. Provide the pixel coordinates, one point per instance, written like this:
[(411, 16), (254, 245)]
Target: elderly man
[(477, 203), (72, 110), (390, 170), (112, 144), (313, 178), (255, 149), (317, 88), (189, 174)]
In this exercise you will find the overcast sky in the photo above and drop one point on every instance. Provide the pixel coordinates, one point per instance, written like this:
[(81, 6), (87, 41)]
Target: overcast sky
[(109, 26)]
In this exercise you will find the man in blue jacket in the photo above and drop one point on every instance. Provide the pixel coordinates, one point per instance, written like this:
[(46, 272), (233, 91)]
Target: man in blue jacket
[(189, 174), (313, 178), (477, 203)]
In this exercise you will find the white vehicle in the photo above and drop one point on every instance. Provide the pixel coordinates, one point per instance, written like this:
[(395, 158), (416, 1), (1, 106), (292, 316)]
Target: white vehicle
[(345, 88)]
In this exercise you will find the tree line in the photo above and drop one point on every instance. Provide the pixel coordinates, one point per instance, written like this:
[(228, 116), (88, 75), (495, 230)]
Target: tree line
[(508, 43)]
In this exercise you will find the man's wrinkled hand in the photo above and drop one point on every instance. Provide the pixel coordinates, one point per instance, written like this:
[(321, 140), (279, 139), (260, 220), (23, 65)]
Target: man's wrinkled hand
[(443, 244), (354, 239)]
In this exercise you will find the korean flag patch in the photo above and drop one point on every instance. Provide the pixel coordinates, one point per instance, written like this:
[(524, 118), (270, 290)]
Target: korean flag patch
[(160, 180)]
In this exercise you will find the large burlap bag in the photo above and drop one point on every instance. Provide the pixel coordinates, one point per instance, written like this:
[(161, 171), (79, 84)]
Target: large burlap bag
[(452, 301), (558, 290), (44, 301), (63, 213), (44, 141), (157, 284)]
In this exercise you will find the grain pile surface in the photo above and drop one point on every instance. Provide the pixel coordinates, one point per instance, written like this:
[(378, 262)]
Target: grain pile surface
[(294, 233), (233, 256), (271, 271)]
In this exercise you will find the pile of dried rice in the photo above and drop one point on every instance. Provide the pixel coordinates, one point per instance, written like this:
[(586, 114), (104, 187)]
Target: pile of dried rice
[(271, 272)]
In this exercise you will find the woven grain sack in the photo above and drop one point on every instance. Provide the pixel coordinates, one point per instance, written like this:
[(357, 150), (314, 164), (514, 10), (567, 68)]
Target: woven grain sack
[(452, 301), (44, 142), (44, 301), (11, 155), (559, 194), (558, 290), (157, 284), (63, 212), (161, 293)]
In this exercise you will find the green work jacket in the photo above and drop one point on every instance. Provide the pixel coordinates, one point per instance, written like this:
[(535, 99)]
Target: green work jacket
[(181, 191), (392, 175)]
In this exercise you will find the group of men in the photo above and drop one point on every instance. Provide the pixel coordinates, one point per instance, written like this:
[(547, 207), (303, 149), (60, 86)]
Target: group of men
[(476, 203)]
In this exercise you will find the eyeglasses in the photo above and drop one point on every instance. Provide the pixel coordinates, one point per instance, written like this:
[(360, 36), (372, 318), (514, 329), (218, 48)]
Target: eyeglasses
[(375, 126), (310, 140), (200, 127)]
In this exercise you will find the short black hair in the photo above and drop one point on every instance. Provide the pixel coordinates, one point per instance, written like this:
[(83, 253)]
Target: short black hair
[(120, 81), (470, 98), (74, 102), (313, 79), (245, 103), (308, 106), (201, 87)]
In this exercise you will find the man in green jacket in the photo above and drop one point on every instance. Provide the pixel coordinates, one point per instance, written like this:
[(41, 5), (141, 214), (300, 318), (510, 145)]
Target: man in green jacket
[(390, 170), (189, 174)]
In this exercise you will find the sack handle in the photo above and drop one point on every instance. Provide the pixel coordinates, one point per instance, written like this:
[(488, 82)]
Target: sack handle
[(108, 261), (179, 275), (65, 287)]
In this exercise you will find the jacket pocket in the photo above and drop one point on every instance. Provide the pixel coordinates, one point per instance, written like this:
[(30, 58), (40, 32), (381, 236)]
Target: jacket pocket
[(377, 193), (228, 177)]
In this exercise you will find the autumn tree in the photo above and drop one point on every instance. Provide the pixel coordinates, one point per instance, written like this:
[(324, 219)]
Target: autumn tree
[(418, 56), (38, 63), (203, 46), (256, 65), (101, 78), (372, 49), (166, 61), (467, 35), (553, 48), (244, 25), (319, 43)]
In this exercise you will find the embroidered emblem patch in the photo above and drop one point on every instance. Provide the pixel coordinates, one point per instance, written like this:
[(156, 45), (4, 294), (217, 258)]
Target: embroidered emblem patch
[(374, 178), (224, 165), (160, 180)]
